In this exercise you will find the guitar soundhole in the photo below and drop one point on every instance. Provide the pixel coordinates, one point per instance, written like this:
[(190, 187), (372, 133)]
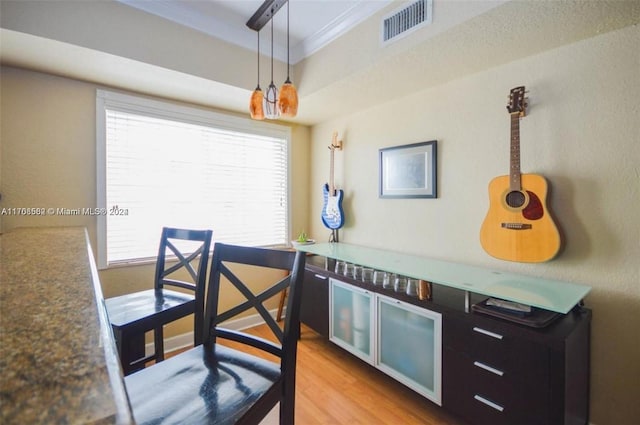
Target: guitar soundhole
[(515, 199)]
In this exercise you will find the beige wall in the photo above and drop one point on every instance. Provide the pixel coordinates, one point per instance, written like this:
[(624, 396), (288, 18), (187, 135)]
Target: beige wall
[(48, 148), (582, 133)]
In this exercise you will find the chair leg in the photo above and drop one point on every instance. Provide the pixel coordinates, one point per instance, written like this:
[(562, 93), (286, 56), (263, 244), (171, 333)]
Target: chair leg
[(117, 334), (283, 296), (130, 348), (158, 342), (287, 405)]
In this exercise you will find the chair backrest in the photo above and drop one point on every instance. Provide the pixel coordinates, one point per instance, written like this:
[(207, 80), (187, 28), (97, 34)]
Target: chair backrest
[(198, 257), (292, 263)]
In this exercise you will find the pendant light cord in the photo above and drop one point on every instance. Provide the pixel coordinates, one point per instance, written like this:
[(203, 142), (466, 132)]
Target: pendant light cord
[(272, 50), (288, 40), (258, 85)]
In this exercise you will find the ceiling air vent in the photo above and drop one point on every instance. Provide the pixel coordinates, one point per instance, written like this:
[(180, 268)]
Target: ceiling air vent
[(403, 21)]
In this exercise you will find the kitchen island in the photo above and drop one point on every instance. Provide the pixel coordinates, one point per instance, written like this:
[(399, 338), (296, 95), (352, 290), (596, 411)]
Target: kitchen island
[(58, 362)]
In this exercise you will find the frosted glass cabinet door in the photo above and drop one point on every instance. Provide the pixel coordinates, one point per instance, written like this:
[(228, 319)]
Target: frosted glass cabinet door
[(351, 318), (410, 346)]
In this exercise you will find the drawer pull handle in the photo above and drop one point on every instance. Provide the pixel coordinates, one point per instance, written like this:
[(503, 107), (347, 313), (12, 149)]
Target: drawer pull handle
[(489, 403), (488, 368), (319, 276), (488, 333)]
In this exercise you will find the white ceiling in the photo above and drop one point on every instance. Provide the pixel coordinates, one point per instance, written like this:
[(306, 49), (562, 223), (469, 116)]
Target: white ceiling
[(313, 23), (112, 44)]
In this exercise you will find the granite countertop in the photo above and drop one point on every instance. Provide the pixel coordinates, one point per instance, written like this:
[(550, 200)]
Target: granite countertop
[(58, 362)]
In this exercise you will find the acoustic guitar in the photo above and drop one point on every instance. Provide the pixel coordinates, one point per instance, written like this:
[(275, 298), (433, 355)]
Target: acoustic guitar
[(518, 225), (332, 212)]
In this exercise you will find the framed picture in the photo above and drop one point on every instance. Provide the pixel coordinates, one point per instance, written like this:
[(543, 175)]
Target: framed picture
[(408, 171)]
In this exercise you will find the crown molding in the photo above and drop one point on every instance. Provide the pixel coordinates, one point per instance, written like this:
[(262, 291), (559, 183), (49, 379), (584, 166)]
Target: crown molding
[(336, 28), (241, 35)]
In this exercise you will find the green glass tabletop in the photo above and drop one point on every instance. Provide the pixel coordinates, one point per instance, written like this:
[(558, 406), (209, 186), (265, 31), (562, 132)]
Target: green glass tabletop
[(548, 294)]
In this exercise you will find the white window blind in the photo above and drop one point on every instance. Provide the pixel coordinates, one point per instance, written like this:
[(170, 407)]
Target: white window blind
[(187, 168)]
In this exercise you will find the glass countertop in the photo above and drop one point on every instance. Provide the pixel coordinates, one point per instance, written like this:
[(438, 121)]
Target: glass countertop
[(548, 294)]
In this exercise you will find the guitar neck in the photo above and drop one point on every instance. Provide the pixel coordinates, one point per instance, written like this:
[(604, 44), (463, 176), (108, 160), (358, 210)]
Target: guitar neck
[(514, 165), (332, 189), (332, 147)]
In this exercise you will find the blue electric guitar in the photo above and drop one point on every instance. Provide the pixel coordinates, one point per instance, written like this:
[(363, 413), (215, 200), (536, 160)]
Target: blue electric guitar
[(332, 212)]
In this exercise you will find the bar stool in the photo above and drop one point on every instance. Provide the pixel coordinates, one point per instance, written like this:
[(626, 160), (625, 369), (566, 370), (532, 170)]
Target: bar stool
[(214, 383), (132, 315)]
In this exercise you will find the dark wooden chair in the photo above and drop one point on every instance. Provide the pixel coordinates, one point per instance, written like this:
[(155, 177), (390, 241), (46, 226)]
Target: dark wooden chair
[(213, 383), (132, 315)]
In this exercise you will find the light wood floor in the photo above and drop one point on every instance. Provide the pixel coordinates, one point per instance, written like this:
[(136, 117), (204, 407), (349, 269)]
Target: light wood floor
[(333, 387)]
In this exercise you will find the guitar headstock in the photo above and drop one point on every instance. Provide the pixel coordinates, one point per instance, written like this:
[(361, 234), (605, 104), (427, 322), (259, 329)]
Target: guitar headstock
[(335, 143), (517, 101)]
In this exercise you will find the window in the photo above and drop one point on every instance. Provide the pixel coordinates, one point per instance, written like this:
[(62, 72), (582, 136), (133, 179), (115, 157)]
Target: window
[(160, 164)]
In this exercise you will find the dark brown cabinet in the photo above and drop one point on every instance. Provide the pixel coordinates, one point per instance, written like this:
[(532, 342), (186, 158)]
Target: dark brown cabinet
[(495, 372), (314, 310)]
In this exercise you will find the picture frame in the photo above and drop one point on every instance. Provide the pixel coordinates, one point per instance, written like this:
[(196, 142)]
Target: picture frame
[(408, 171)]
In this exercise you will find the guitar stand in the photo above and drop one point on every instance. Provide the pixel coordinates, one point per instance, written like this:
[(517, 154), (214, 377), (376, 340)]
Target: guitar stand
[(334, 236)]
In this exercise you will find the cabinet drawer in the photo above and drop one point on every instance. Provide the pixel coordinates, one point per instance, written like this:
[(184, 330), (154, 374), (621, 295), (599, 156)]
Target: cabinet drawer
[(485, 397), (518, 358)]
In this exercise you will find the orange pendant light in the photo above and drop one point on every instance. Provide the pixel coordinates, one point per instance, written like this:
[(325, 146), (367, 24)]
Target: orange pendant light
[(288, 102), (257, 98), (272, 104)]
